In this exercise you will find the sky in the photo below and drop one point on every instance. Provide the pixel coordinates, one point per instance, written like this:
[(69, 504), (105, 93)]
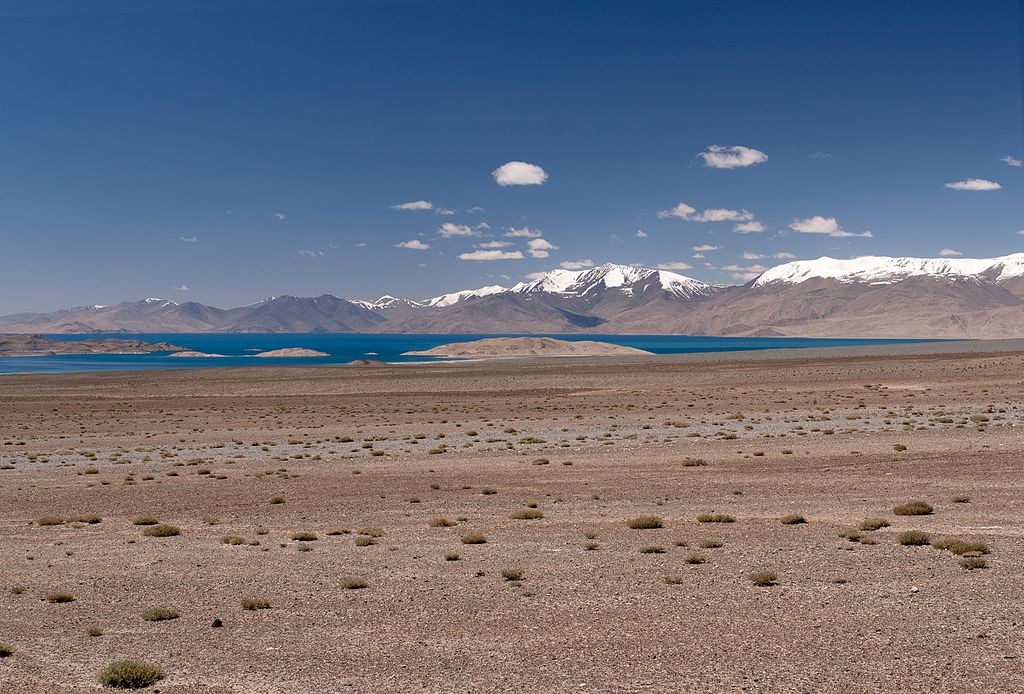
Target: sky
[(224, 151)]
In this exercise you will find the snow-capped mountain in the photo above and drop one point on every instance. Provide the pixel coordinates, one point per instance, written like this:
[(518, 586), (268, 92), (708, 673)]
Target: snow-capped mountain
[(872, 296), (882, 269)]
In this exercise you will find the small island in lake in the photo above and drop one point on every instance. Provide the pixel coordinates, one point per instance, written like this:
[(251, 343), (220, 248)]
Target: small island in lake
[(40, 345), (510, 347)]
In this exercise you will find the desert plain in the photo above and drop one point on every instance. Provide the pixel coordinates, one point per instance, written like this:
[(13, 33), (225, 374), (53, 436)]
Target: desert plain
[(467, 527)]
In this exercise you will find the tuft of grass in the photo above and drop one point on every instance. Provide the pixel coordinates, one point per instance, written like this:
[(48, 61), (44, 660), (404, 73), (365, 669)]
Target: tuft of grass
[(914, 538), (88, 518), (960, 546), (372, 531), (710, 544), (6, 651), (652, 549), (715, 518), (130, 674), (50, 520), (441, 523), (646, 523), (144, 520), (60, 598), (304, 536), (17, 590), (488, 491), (694, 462), (763, 579), (972, 563), (452, 556), (792, 519), (255, 604), (590, 546), (159, 614), (673, 580), (869, 524), (94, 631), (364, 541), (512, 574), (474, 539), (851, 534), (353, 583), (913, 508), (527, 514), (233, 540), (162, 530), (960, 499), (277, 499)]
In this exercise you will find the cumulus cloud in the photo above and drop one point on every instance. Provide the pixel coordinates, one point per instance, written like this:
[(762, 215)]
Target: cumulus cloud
[(524, 233), (444, 211), (577, 264), (414, 205), (538, 248), (744, 272), (414, 244), (641, 234), (714, 214), (705, 247), (182, 288), (949, 253), (494, 244), (188, 239), (698, 256), (827, 226), (748, 255), (311, 254), (973, 184), (749, 228), (279, 216), (449, 230), (732, 157), (674, 266), (1011, 160), (491, 255), (519, 173)]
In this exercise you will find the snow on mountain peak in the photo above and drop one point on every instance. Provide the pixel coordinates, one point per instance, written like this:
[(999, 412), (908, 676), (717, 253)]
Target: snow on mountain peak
[(456, 297), (611, 276), (879, 269)]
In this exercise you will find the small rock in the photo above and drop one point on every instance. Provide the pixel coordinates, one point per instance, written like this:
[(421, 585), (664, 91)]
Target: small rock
[(883, 595), (914, 589), (216, 623)]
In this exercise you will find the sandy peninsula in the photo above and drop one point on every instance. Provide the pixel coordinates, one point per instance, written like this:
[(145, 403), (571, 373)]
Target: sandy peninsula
[(292, 352), (40, 345), (715, 523), (518, 347)]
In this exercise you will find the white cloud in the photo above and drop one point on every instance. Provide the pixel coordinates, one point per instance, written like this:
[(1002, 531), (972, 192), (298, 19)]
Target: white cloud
[(361, 244), (472, 210), (704, 247), (698, 256), (641, 234), (519, 173), (719, 157), (448, 230), (414, 244), (714, 214), (949, 253), (311, 254), (491, 255), (535, 275), (1011, 160), (494, 244), (188, 239), (182, 288), (749, 228), (524, 233), (538, 248), (577, 264), (827, 226), (1020, 233), (414, 205), (444, 211), (974, 184), (674, 266), (744, 272), (279, 216), (748, 255)]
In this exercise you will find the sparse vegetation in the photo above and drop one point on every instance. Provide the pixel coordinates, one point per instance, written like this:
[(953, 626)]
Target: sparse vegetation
[(914, 538), (353, 583), (710, 544), (130, 674), (6, 650), (646, 523), (973, 563), (159, 614), (60, 598), (960, 499), (763, 579), (474, 539), (50, 520), (792, 519), (694, 559), (871, 524), (162, 530), (715, 518), (144, 520), (441, 523), (527, 514), (255, 604), (913, 508), (304, 536), (652, 549), (512, 574), (960, 546)]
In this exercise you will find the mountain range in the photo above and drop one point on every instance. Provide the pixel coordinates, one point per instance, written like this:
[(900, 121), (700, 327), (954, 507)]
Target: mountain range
[(872, 296)]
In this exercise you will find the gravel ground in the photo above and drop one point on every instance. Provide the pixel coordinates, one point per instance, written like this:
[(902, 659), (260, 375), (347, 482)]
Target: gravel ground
[(836, 437)]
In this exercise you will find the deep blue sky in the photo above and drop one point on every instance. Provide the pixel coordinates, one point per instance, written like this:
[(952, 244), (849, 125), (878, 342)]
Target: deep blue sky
[(127, 126)]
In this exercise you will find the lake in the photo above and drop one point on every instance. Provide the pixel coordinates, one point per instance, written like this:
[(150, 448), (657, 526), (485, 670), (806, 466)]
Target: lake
[(238, 348)]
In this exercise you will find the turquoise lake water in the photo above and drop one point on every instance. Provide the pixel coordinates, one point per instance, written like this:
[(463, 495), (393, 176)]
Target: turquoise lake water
[(344, 347)]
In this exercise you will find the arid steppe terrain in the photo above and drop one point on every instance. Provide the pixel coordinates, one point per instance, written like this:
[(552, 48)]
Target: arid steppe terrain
[(466, 527)]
